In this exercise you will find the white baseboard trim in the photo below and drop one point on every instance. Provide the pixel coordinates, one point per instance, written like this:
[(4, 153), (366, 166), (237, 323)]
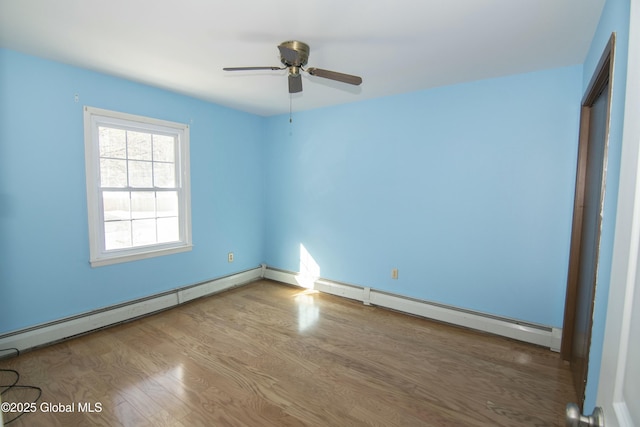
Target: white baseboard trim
[(51, 332), (545, 336)]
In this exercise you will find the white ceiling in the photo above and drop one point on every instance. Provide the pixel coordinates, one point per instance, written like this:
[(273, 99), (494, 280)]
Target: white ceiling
[(395, 46)]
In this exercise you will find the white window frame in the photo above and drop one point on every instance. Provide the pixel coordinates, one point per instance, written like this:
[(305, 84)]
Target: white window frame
[(95, 117)]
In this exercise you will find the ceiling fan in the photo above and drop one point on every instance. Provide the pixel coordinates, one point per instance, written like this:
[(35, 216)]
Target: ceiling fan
[(294, 56)]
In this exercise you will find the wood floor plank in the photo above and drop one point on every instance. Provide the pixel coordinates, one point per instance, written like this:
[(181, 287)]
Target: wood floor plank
[(267, 354)]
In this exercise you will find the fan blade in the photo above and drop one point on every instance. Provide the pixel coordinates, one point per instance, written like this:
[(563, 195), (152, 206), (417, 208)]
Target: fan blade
[(290, 56), (333, 75), (252, 68), (295, 83)]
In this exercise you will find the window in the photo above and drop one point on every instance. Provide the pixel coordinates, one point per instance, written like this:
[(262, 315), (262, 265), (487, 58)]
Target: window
[(137, 186)]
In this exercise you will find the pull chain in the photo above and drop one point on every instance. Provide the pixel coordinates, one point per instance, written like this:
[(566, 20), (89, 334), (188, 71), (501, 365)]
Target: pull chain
[(290, 102)]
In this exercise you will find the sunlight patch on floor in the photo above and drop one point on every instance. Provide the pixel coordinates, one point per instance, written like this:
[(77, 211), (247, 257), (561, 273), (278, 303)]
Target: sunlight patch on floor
[(308, 311)]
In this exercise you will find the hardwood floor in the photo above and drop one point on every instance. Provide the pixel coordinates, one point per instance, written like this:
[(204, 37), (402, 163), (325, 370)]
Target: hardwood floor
[(267, 354)]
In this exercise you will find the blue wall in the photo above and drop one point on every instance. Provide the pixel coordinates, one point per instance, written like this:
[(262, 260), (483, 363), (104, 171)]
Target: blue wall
[(615, 18), (44, 252), (466, 189)]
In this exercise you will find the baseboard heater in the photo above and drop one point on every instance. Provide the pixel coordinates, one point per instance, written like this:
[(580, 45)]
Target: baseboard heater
[(545, 336), (51, 332)]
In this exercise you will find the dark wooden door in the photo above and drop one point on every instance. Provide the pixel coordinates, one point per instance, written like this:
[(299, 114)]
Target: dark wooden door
[(587, 222), (590, 241)]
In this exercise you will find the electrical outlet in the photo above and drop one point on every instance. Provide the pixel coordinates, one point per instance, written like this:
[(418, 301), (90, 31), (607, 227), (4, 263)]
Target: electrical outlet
[(230, 257), (394, 273)]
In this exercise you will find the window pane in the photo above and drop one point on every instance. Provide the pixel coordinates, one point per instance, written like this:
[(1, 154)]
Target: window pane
[(113, 173), (164, 175), (144, 232), (140, 174), (112, 143), (143, 204), (116, 205), (164, 148), (117, 235), (168, 230), (139, 145), (167, 202)]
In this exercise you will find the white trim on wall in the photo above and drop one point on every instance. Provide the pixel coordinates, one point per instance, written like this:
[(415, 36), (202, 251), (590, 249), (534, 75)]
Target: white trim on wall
[(51, 332), (545, 336)]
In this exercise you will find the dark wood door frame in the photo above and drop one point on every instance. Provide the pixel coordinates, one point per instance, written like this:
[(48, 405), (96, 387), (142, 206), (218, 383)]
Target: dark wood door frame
[(602, 77)]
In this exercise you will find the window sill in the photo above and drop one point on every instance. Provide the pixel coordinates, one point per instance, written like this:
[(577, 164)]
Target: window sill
[(116, 259)]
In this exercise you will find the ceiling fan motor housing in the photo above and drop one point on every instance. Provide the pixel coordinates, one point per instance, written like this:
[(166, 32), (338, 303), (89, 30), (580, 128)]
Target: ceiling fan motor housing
[(294, 53)]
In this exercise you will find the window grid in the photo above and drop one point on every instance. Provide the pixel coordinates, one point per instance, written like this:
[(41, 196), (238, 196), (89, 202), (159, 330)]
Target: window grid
[(133, 222)]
